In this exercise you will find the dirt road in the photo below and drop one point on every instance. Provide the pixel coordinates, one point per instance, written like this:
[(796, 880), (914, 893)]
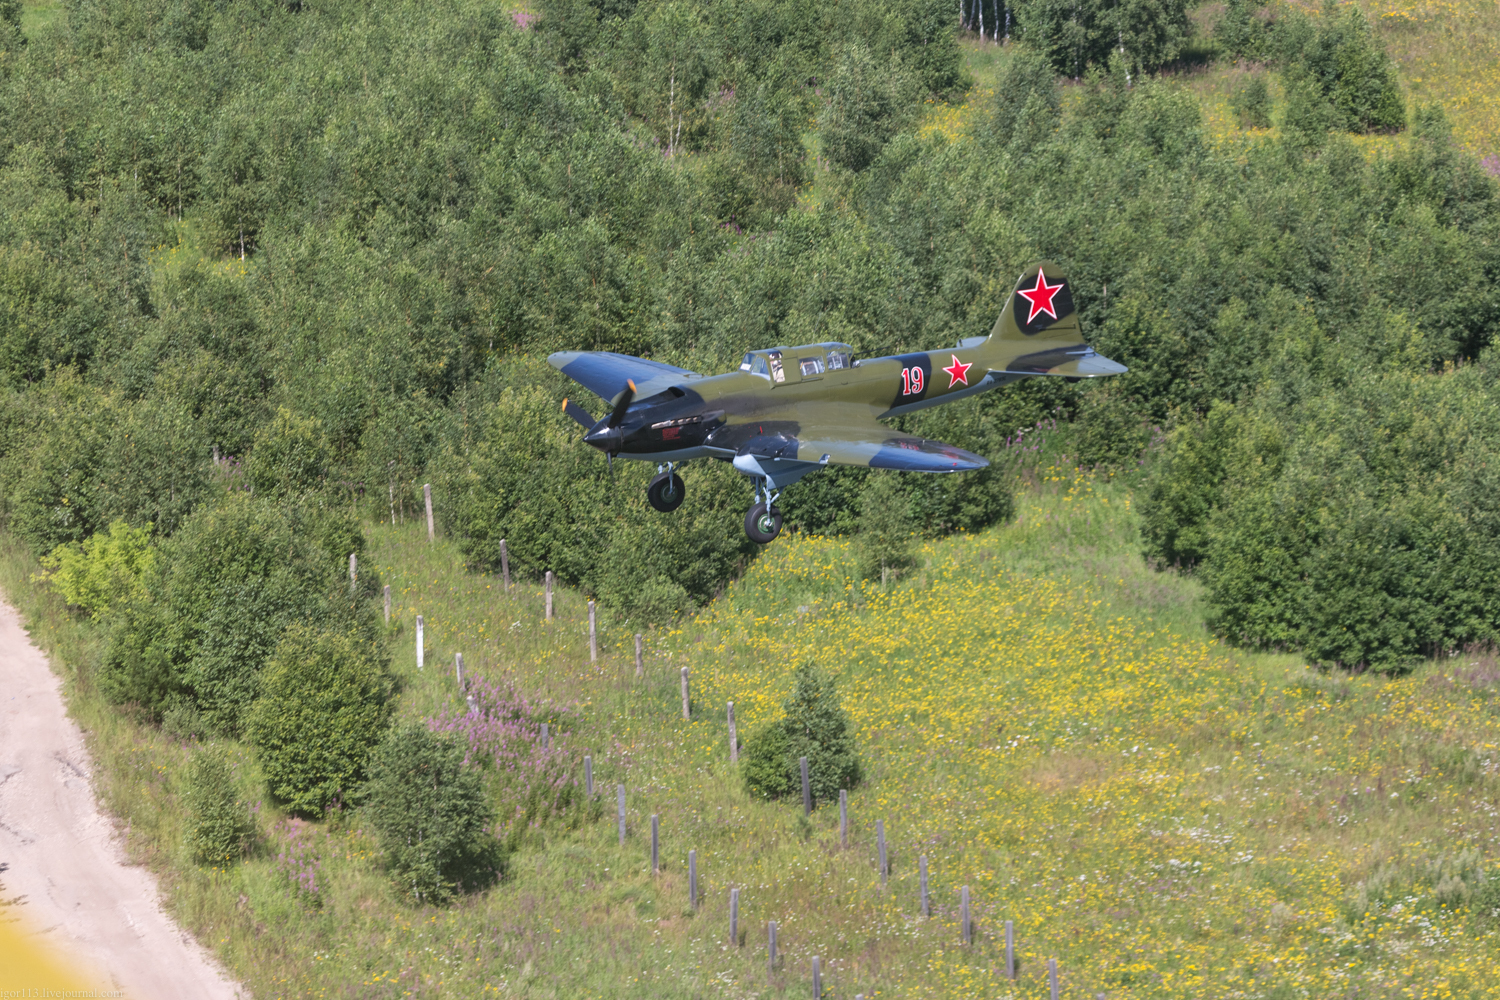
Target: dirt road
[(92, 908)]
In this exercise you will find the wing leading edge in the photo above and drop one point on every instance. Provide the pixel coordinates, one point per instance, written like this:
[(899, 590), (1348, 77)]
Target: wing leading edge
[(604, 373)]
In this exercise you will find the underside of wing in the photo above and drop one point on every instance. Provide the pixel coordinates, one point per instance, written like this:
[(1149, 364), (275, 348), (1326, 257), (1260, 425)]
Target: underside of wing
[(605, 373), (880, 447)]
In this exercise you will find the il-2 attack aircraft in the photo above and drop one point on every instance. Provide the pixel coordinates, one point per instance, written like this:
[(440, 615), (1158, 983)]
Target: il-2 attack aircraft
[(789, 411)]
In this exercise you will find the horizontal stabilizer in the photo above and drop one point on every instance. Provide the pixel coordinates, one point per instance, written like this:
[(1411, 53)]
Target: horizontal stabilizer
[(1074, 361)]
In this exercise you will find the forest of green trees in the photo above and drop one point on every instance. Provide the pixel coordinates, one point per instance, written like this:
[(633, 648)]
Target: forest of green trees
[(267, 266)]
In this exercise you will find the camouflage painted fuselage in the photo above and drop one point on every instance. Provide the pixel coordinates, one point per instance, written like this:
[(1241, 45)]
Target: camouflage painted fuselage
[(789, 410)]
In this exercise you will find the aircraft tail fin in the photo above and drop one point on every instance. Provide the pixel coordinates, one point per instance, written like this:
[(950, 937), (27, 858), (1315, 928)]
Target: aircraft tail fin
[(1039, 308), (1038, 333)]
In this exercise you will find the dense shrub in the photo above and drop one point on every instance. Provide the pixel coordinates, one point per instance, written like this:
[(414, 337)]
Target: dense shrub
[(813, 725), (219, 827), (768, 767), (106, 570), (1145, 34), (886, 525), (322, 710), (431, 816), (221, 595), (1353, 524)]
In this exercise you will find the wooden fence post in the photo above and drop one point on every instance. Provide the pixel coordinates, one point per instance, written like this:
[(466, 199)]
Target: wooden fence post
[(693, 880), (353, 574), (620, 811), (922, 879), (504, 564), (734, 918), (734, 742), (588, 774), (549, 595), (458, 669), (1052, 978), (640, 666), (420, 651), (593, 636), (1010, 950), (806, 788), (387, 604), (655, 843), (880, 849), (963, 915), (817, 983), (427, 495), (546, 736), (844, 818), (771, 962), (687, 712)]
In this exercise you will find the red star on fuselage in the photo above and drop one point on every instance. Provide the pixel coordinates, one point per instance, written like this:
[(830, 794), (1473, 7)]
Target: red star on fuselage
[(1040, 297), (958, 372)]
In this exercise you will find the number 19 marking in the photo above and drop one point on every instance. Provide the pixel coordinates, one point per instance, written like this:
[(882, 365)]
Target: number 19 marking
[(911, 381)]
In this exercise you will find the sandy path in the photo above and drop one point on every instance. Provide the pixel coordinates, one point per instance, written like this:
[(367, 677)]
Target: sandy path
[(93, 908)]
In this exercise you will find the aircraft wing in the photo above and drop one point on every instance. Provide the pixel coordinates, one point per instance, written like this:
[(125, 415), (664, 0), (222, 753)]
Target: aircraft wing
[(604, 373), (838, 437), (880, 447)]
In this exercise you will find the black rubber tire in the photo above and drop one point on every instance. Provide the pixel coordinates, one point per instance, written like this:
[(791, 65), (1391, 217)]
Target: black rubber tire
[(761, 526), (666, 492)]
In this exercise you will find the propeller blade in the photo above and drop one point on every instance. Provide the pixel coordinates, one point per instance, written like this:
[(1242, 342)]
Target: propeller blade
[(579, 414), (626, 396)]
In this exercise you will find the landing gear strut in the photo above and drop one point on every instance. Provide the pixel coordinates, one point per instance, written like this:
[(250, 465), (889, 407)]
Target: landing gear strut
[(763, 522), (666, 490)]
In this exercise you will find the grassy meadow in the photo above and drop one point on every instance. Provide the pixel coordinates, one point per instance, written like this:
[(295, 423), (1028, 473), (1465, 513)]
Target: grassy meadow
[(1038, 713), (1445, 53)]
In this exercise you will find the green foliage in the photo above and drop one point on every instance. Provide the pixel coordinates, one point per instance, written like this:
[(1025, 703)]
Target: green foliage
[(886, 525), (223, 592), (1351, 524), (105, 570), (321, 712), (865, 102), (1144, 34), (769, 769), (431, 816), (813, 725), (289, 456), (558, 507), (1241, 33), (1338, 61), (1251, 103), (219, 827)]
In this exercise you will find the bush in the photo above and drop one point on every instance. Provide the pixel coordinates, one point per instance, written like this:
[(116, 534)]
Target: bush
[(814, 725), (769, 768), (322, 710), (1252, 103), (430, 815), (218, 822), (886, 525), (103, 571), (222, 593), (864, 106)]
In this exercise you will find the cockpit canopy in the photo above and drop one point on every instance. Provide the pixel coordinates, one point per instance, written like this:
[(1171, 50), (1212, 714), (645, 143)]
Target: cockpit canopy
[(781, 364)]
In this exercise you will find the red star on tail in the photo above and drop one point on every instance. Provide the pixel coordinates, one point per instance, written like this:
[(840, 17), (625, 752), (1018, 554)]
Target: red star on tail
[(1040, 297), (958, 372)]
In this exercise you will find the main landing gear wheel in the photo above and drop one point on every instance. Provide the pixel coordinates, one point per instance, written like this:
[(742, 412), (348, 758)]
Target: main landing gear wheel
[(763, 523), (666, 492)]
